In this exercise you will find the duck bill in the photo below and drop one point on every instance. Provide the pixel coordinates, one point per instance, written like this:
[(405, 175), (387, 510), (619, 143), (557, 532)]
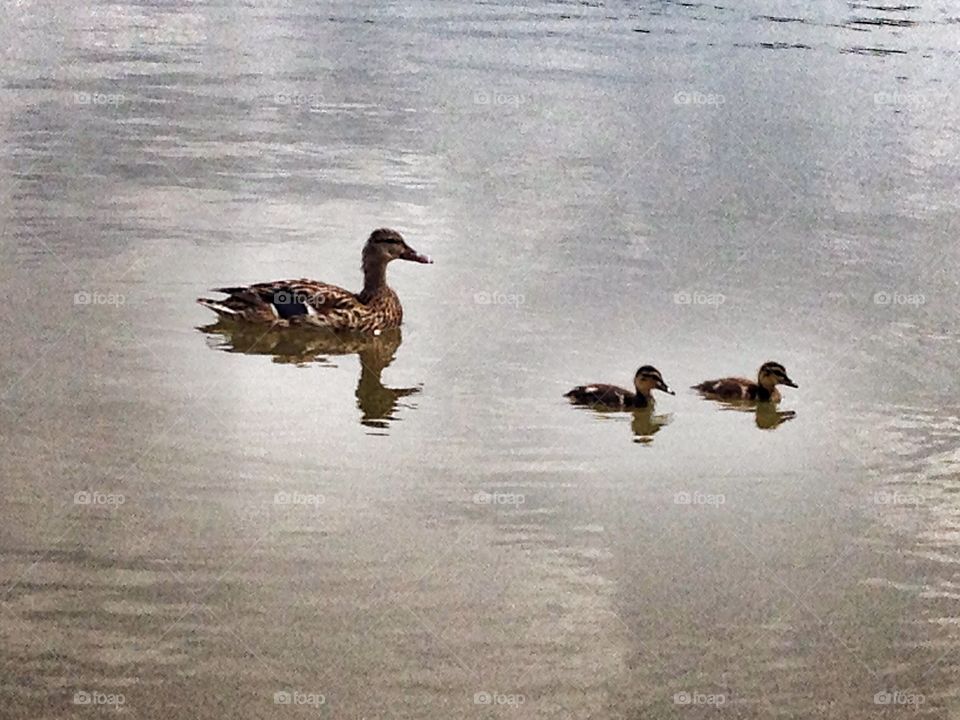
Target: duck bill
[(413, 256), (789, 383), (663, 387)]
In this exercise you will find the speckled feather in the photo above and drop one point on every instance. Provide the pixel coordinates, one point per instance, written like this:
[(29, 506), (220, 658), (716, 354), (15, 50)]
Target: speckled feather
[(308, 303), (332, 306)]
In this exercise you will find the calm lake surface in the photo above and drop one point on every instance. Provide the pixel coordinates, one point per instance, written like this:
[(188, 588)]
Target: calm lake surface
[(204, 524)]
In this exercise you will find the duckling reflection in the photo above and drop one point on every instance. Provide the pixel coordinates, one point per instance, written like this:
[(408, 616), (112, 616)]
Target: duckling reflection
[(645, 424), (766, 414), (769, 418), (377, 403)]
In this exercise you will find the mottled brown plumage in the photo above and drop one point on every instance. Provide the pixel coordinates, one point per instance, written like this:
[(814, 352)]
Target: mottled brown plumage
[(736, 388), (647, 379), (306, 303)]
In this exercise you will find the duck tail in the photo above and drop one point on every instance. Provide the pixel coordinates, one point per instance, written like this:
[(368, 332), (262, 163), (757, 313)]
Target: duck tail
[(219, 308)]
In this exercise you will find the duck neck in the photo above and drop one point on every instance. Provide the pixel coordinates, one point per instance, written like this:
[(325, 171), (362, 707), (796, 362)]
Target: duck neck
[(643, 398), (374, 276), (765, 393)]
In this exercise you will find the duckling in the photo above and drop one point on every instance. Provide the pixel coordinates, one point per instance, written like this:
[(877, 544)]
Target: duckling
[(308, 303), (763, 390), (647, 379)]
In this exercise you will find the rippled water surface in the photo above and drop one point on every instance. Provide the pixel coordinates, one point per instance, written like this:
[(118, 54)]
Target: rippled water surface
[(201, 522)]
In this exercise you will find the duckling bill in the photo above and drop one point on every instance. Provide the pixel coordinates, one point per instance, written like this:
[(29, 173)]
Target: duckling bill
[(764, 389), (647, 379)]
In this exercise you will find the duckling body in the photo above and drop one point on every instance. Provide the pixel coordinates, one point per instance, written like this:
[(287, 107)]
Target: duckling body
[(738, 388), (306, 303), (614, 397), (610, 396), (764, 389)]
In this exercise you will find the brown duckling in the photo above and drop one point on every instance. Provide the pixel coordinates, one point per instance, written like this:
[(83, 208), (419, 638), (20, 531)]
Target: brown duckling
[(306, 303), (647, 379), (735, 388)]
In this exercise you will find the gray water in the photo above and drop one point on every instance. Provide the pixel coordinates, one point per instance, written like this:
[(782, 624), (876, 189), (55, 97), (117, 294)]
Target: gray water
[(195, 522)]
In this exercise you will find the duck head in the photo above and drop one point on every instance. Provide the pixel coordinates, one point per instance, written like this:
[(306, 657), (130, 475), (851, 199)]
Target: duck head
[(648, 379), (772, 374), (385, 245)]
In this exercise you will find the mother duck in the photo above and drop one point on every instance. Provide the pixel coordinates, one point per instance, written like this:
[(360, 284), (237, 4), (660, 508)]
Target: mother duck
[(288, 303)]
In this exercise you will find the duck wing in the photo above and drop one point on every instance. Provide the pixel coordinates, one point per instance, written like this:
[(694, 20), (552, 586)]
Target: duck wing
[(288, 302), (600, 394), (730, 387)]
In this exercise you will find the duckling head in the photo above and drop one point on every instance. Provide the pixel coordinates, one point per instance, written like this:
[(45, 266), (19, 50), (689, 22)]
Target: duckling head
[(385, 245), (648, 379), (772, 374)]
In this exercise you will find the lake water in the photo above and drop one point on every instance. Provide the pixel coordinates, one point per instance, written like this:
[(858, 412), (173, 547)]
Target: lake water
[(203, 524)]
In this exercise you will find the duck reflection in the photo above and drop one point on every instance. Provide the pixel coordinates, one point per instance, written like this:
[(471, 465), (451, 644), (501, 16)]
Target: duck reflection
[(644, 422), (377, 403), (766, 414), (769, 418), (645, 425)]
